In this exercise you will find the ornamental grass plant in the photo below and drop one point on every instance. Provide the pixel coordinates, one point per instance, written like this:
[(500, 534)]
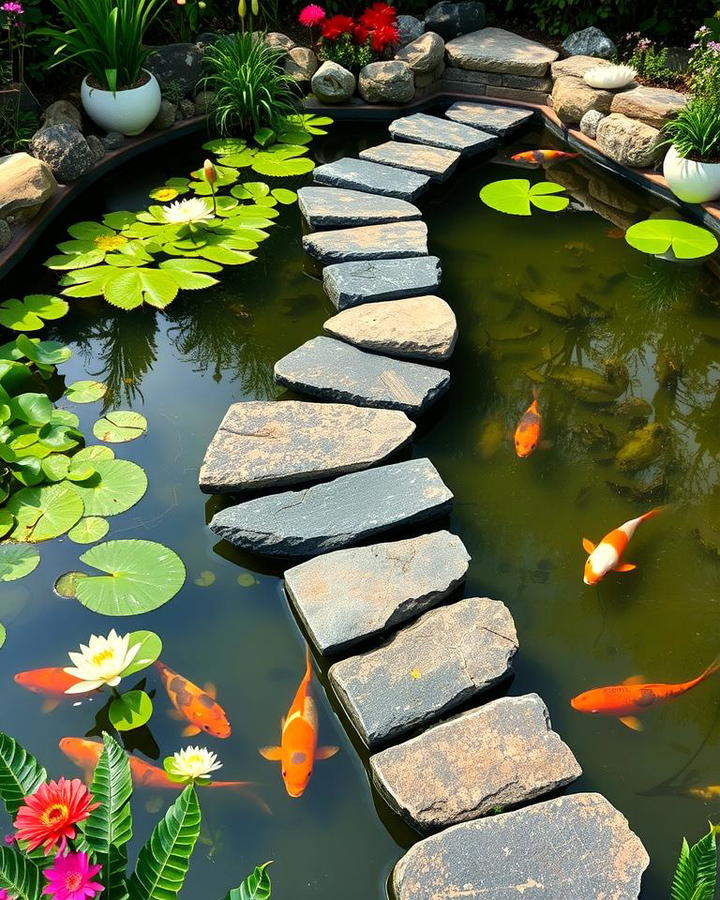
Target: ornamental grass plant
[(695, 130)]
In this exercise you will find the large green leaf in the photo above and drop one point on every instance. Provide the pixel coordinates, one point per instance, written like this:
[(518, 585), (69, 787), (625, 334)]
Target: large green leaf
[(163, 862), (149, 652), (20, 774), (116, 486), (85, 391), (44, 512), (45, 353), (256, 886), (660, 235), (119, 426), (35, 409), (131, 710), (515, 196), (30, 313), (17, 561), (133, 287), (89, 530), (19, 876), (696, 873)]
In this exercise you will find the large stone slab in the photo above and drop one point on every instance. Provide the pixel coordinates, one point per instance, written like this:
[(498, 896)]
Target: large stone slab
[(416, 327), (337, 513), (449, 655), (572, 98), (333, 370), (362, 175), (421, 128), (572, 848), (576, 65), (351, 595), (326, 207), (651, 105), (262, 444), (436, 162), (397, 240), (348, 284), (498, 50), (499, 755), (499, 120), (25, 184)]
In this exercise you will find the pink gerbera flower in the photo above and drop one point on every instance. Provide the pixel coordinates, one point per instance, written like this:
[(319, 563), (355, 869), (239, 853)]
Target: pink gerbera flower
[(311, 15), (49, 816), (4, 895), (71, 877)]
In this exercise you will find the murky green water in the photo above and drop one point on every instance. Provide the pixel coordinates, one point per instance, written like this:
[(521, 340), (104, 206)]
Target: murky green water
[(521, 520)]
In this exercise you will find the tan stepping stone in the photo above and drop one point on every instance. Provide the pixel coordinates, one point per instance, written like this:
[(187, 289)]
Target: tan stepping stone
[(498, 50), (326, 207), (436, 162), (397, 240)]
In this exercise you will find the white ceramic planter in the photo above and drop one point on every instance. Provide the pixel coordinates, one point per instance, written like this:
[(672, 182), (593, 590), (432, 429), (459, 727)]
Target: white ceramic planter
[(694, 182), (128, 112)]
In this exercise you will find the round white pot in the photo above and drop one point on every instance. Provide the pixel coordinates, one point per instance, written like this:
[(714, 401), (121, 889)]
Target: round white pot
[(694, 182), (128, 112)]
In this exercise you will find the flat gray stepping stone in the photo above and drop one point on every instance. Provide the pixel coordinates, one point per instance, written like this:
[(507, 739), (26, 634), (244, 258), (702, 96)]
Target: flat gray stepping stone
[(498, 50), (423, 129), (436, 162), (326, 207), (362, 175), (398, 240), (350, 595), (269, 444), (449, 655), (416, 327), (348, 284), (333, 370), (499, 120), (336, 513), (499, 755), (572, 848)]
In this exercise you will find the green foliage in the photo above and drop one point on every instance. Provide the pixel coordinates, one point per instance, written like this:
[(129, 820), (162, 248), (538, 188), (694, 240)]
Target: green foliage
[(256, 886), (661, 235), (149, 652), (696, 873), (119, 426), (19, 875), (132, 710), (695, 130), (85, 391), (17, 561), (650, 62), (346, 52), (515, 196), (30, 313), (704, 65), (20, 774), (17, 126), (89, 530)]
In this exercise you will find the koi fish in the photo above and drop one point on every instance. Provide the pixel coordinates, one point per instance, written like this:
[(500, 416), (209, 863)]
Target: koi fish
[(633, 696), (616, 233), (607, 555), (298, 750), (194, 704), (529, 429), (710, 792), (53, 682), (543, 156)]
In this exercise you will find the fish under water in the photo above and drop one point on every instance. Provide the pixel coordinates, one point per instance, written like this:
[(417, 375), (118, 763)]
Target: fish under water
[(298, 748), (529, 429), (53, 682), (199, 707), (543, 156), (624, 701), (607, 555)]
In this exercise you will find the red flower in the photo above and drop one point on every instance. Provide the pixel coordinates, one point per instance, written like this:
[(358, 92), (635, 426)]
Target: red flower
[(379, 14), (360, 34), (384, 36), (336, 26), (49, 816)]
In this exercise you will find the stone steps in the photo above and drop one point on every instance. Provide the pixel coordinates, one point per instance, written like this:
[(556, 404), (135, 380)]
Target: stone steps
[(421, 128), (349, 284), (373, 178), (498, 120), (397, 240), (326, 207), (436, 162)]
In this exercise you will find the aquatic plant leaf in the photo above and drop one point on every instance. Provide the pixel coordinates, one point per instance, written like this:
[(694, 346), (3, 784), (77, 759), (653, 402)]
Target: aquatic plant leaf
[(19, 875), (205, 579), (284, 196), (515, 196), (149, 652), (119, 426), (116, 486), (44, 512), (17, 561), (189, 274), (225, 175), (660, 235), (279, 167), (172, 188), (120, 218), (136, 286), (93, 452), (256, 886), (308, 122), (225, 146), (85, 391), (3, 634), (7, 521), (696, 872), (89, 530), (34, 409), (141, 576), (66, 585), (67, 261), (30, 313), (131, 710), (264, 137), (46, 353), (246, 579), (20, 774)]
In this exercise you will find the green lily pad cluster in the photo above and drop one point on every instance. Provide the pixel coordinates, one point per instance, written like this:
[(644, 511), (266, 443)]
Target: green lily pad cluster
[(517, 197)]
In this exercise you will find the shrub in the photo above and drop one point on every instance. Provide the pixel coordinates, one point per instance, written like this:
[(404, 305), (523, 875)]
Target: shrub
[(704, 65), (695, 130), (648, 59)]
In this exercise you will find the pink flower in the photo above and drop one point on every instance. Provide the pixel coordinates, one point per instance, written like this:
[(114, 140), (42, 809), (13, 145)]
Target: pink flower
[(4, 895), (12, 8), (49, 816), (70, 878), (311, 15), (9, 840)]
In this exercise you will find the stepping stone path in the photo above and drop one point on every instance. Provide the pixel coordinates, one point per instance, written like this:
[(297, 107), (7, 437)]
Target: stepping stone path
[(572, 848), (497, 50), (325, 207), (394, 241), (499, 120), (436, 162), (498, 755), (423, 129), (333, 370), (416, 327), (337, 513), (270, 444), (449, 655), (351, 595), (349, 284), (362, 175)]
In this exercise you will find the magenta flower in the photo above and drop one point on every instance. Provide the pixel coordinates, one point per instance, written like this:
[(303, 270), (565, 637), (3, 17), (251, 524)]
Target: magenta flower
[(12, 8), (311, 15), (4, 895), (71, 877)]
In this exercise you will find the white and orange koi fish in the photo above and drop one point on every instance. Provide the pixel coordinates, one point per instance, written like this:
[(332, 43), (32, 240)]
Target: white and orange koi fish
[(607, 555)]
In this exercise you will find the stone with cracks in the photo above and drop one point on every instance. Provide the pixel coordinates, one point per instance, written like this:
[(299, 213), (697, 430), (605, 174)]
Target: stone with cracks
[(436, 162), (301, 64), (589, 42), (326, 207), (25, 184), (409, 28), (396, 240), (572, 98), (333, 83), (361, 175), (651, 105), (348, 284), (178, 65), (576, 65), (421, 128), (497, 50), (65, 150), (499, 120), (628, 141), (388, 81), (424, 54)]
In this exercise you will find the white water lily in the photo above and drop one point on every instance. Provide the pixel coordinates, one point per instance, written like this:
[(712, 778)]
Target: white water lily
[(188, 212), (192, 763), (101, 661)]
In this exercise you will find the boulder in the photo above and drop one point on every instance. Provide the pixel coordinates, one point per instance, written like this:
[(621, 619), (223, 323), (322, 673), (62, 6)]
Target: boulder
[(25, 184), (572, 98), (628, 141), (279, 41), (589, 123), (186, 108), (349, 284), (394, 240), (576, 65), (498, 50), (179, 65), (589, 42), (97, 148), (651, 105), (166, 116), (62, 112), (5, 234), (424, 79), (424, 54), (333, 83), (65, 150), (387, 82), (450, 20), (113, 140), (204, 102), (409, 28), (301, 64)]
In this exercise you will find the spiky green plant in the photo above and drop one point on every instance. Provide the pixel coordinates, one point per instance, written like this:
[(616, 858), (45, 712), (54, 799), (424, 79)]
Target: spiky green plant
[(696, 873), (695, 130)]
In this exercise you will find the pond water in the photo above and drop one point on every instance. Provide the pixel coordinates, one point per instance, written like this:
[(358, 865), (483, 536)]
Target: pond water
[(522, 520)]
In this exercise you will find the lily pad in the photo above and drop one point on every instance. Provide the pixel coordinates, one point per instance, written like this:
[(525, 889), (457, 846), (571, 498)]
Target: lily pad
[(515, 196), (30, 313), (657, 236), (17, 561), (3, 635), (93, 452), (119, 426), (85, 391), (7, 520), (89, 530), (42, 513), (246, 580), (66, 585), (116, 486), (149, 652), (44, 353), (132, 710), (205, 579)]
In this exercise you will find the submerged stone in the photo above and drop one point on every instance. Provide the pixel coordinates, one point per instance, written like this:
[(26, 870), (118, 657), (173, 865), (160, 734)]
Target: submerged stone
[(436, 162), (396, 240), (499, 120), (348, 284), (423, 129), (362, 175), (326, 207)]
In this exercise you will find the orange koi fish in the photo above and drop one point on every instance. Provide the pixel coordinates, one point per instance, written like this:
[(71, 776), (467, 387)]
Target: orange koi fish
[(299, 750), (529, 429), (194, 704), (53, 682), (543, 156), (607, 555), (633, 696)]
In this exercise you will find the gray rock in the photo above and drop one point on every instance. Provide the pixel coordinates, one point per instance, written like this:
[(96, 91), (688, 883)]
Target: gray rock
[(337, 513), (65, 150), (424, 79), (497, 50), (62, 112), (176, 64), (386, 82), (576, 65), (409, 28), (208, 39), (332, 370), (113, 140), (5, 234), (436, 162), (572, 848), (186, 108), (416, 327), (361, 175), (424, 129), (677, 59), (450, 20), (589, 123), (166, 116), (326, 207), (396, 240), (348, 284), (628, 141), (498, 120), (651, 105), (448, 656), (351, 595), (499, 755), (204, 102), (301, 64), (25, 184), (333, 83), (97, 148), (572, 98), (589, 42), (424, 54), (269, 444), (279, 41)]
